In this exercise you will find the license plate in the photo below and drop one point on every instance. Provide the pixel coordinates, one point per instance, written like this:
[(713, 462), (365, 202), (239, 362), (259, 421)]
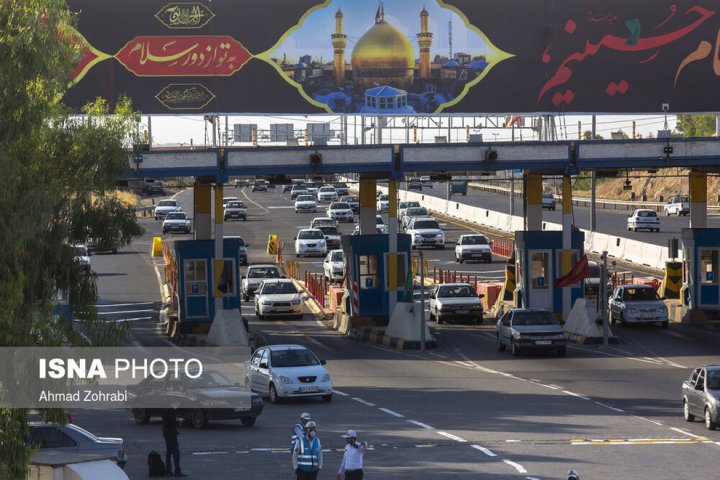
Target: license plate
[(543, 342), (648, 316), (242, 409), (461, 312), (309, 389), (477, 254)]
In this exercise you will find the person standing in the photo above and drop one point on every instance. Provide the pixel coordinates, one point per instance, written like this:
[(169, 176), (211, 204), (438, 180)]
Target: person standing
[(298, 430), (172, 448), (353, 457), (307, 457)]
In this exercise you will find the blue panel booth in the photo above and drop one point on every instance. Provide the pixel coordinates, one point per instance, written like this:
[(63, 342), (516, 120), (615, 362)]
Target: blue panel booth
[(195, 281), (366, 262), (539, 257), (701, 248)]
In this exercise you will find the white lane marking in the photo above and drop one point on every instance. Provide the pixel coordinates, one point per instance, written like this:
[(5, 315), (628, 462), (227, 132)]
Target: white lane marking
[(342, 394), (390, 412), (207, 453), (126, 311), (254, 202), (437, 355), (364, 402), (611, 408), (512, 441), (686, 433), (647, 420), (422, 425), (516, 466), (107, 305), (486, 451), (452, 437), (575, 394), (553, 387), (532, 478), (135, 319), (283, 206)]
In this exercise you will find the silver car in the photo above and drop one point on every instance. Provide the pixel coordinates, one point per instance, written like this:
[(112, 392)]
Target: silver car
[(73, 439), (634, 304), (530, 329), (455, 301), (284, 371), (278, 297), (701, 396)]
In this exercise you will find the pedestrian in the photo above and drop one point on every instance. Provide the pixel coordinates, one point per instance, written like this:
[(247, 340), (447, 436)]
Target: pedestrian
[(307, 457), (298, 430), (352, 462), (172, 448)]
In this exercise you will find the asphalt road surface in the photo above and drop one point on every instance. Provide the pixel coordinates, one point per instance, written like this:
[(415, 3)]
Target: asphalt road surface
[(462, 410)]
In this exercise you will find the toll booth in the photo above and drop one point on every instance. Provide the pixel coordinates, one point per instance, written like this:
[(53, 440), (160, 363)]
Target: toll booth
[(539, 257), (366, 264), (701, 248), (195, 278)]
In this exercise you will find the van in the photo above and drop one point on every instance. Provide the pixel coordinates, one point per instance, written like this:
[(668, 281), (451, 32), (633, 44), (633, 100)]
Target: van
[(458, 185)]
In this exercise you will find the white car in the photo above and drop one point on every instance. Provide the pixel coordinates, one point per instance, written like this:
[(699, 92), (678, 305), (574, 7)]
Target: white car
[(298, 190), (305, 203), (333, 266), (678, 205), (82, 257), (342, 212), (284, 371), (383, 203), (403, 206), (310, 241), (229, 199), (254, 276), (473, 247), (235, 209), (548, 201), (327, 194), (380, 225), (457, 301), (164, 207), (323, 222), (637, 304), (353, 201), (278, 297), (176, 222), (426, 232), (411, 213), (643, 219)]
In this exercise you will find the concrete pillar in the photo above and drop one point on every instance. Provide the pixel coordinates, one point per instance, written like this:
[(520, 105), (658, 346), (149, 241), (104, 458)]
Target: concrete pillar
[(533, 194), (392, 245), (368, 207), (201, 211), (698, 199), (566, 242)]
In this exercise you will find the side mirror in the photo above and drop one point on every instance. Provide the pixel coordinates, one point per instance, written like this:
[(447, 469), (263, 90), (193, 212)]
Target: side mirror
[(481, 295), (242, 277), (663, 298), (294, 238), (247, 245), (263, 365), (322, 362), (283, 276)]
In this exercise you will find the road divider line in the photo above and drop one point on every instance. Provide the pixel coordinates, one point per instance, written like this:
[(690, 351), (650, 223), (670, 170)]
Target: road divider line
[(648, 420), (516, 466), (342, 394), (390, 412), (126, 311), (484, 450), (254, 202), (364, 402), (575, 394), (421, 425), (452, 437), (106, 305), (611, 408), (687, 433)]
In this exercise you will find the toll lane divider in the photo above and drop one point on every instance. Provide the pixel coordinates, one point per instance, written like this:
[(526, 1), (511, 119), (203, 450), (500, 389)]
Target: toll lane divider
[(652, 256)]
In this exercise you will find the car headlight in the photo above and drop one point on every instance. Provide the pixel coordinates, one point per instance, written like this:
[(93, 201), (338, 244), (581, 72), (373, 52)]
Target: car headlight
[(517, 336), (632, 310), (267, 303), (418, 236), (559, 336), (326, 378), (256, 399), (439, 306), (285, 380), (475, 306), (295, 302)]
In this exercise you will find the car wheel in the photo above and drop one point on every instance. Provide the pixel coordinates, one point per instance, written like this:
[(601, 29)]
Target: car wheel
[(198, 418), (561, 351), (623, 323), (514, 348), (709, 424), (478, 320), (141, 416), (500, 345), (612, 319), (164, 232), (689, 417), (326, 398), (459, 259), (664, 324), (274, 398), (245, 298), (248, 421), (432, 317)]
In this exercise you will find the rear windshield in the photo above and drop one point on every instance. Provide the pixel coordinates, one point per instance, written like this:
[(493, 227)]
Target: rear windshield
[(534, 318), (646, 213), (310, 234), (427, 224)]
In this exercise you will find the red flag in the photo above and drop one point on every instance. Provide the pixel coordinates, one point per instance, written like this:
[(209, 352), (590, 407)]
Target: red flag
[(579, 271), (378, 18)]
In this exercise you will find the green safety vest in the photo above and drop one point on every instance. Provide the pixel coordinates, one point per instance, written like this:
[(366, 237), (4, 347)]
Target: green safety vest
[(308, 459)]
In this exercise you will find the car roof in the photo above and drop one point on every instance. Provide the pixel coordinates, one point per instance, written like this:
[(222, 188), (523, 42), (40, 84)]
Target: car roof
[(515, 309), (278, 280), (456, 284), (286, 347), (311, 229), (262, 265), (644, 210)]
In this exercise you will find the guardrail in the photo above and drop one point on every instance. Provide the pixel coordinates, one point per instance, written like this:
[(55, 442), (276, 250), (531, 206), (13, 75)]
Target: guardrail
[(317, 286), (503, 248)]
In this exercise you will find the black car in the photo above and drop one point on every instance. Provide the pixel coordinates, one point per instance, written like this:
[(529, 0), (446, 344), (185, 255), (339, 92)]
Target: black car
[(211, 396)]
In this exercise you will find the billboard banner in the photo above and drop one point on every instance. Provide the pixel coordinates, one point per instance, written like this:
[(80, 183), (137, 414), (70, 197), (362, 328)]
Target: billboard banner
[(399, 57)]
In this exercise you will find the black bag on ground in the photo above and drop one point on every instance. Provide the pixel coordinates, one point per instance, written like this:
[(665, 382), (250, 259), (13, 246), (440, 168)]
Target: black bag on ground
[(155, 464)]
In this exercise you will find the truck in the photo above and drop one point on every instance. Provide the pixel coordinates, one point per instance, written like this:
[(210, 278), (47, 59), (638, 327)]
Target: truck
[(459, 185)]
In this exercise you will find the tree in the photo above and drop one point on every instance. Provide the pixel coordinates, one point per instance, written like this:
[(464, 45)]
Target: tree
[(587, 135), (696, 125), (57, 170)]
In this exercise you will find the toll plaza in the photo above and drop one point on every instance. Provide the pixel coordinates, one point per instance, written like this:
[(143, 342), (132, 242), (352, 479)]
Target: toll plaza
[(701, 293), (370, 163)]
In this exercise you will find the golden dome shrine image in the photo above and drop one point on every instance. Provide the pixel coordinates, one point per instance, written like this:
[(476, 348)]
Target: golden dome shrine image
[(383, 56)]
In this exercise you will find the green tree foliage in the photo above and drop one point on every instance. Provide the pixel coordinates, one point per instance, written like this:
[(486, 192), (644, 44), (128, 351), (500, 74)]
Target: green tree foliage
[(56, 172), (696, 125), (587, 135)]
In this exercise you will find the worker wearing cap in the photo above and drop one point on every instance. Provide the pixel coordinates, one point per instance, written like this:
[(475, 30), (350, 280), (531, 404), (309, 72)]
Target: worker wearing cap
[(352, 462), (298, 430), (307, 457)]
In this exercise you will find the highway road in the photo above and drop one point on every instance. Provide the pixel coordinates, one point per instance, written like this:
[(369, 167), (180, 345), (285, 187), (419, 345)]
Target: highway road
[(461, 410)]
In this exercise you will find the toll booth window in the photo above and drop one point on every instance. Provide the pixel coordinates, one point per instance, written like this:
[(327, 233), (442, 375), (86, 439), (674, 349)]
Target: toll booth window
[(540, 270), (401, 262), (709, 266), (195, 277), (226, 283), (368, 271), (574, 258)]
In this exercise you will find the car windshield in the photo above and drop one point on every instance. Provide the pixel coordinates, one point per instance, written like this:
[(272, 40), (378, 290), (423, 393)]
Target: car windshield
[(263, 272), (279, 288), (379, 221), (456, 291), (209, 379), (80, 251), (646, 213), (713, 379), (339, 206), (175, 216), (534, 318), (416, 212), (640, 294), (336, 257), (310, 234), (293, 358), (323, 221), (384, 198), (305, 198), (350, 199), (167, 203), (235, 205), (433, 224), (548, 196), (682, 199), (341, 185), (594, 271), (474, 240), (328, 230), (327, 189)]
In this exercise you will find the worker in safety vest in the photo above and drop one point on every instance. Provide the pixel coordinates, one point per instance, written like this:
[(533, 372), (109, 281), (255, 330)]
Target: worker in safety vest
[(298, 430), (307, 457)]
